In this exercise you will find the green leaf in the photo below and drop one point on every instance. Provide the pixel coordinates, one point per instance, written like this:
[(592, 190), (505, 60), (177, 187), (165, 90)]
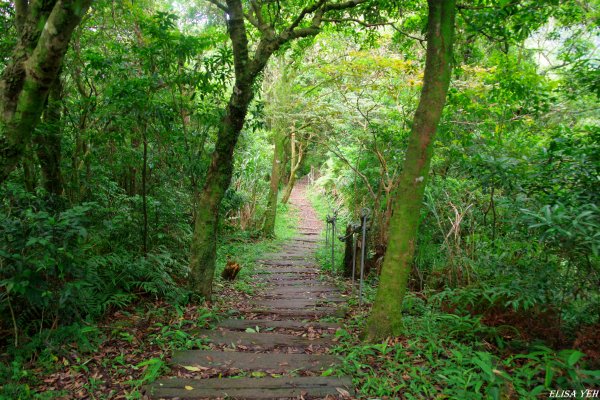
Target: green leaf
[(574, 357), (549, 375)]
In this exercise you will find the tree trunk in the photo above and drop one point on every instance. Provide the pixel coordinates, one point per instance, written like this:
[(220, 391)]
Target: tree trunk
[(295, 161), (218, 178), (144, 189), (48, 142), (45, 29), (348, 252), (386, 316), (29, 170), (276, 172)]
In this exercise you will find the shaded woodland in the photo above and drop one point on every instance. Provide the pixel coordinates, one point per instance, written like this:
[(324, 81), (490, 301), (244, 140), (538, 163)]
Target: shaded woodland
[(147, 144)]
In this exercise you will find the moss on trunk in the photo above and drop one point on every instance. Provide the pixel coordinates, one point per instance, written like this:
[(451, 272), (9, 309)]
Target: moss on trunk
[(48, 142), (44, 34), (276, 172), (386, 316)]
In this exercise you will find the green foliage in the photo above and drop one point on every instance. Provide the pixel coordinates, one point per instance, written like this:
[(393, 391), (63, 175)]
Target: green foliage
[(55, 268), (449, 355)]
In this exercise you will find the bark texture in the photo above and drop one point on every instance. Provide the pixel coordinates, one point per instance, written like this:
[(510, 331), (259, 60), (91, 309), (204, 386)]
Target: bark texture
[(386, 316), (276, 172), (348, 251), (47, 140), (297, 156), (45, 28)]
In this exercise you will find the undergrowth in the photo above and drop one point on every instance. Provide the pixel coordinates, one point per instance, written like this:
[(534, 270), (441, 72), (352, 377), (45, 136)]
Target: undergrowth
[(443, 355), (126, 343)]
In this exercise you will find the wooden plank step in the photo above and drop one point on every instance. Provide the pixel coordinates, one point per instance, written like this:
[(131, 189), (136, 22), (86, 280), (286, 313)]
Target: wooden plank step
[(248, 388), (291, 255), (301, 313), (288, 279), (300, 282), (243, 324), (308, 248), (323, 298), (291, 304), (315, 290), (289, 263), (264, 341), (288, 270), (273, 362), (303, 239)]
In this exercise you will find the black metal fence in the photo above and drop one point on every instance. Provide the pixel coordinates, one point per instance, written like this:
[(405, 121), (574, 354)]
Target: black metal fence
[(357, 232)]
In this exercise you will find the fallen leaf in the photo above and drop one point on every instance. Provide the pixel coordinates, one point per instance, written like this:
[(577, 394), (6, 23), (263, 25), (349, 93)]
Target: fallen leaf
[(191, 388), (191, 368)]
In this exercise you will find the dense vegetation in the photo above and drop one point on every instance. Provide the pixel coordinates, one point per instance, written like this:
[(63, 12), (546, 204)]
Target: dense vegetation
[(153, 139)]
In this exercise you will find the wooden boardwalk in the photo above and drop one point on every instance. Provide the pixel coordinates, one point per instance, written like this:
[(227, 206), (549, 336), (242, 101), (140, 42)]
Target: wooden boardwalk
[(279, 347)]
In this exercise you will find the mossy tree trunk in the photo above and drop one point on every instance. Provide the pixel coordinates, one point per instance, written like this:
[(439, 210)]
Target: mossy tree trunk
[(247, 69), (276, 172), (386, 316), (45, 28), (48, 142), (295, 162)]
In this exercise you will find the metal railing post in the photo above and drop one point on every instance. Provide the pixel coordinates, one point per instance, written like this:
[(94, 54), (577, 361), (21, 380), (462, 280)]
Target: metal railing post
[(364, 216), (333, 241), (327, 231), (354, 243)]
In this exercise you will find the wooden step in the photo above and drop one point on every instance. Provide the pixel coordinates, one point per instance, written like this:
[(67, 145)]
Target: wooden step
[(248, 388), (288, 279), (261, 341), (300, 313), (321, 297), (306, 239), (281, 269), (272, 362), (288, 255), (291, 304), (243, 324), (295, 290), (289, 263)]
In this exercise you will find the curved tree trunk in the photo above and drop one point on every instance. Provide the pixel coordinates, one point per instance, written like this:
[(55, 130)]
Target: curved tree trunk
[(386, 316), (276, 172), (45, 28), (218, 179)]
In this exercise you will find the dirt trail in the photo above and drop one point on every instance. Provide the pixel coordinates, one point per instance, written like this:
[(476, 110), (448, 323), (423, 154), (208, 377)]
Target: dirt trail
[(278, 345)]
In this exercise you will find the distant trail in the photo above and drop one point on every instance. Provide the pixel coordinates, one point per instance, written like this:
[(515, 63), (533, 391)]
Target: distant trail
[(279, 343)]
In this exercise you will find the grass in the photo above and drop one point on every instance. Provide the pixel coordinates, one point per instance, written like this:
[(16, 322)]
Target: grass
[(246, 248)]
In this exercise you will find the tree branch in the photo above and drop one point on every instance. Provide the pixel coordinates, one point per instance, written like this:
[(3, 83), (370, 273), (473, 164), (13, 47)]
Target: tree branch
[(21, 10), (304, 12), (358, 21), (220, 5)]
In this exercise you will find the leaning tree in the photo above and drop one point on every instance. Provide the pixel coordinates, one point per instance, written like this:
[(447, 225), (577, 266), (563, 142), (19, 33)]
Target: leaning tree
[(274, 24)]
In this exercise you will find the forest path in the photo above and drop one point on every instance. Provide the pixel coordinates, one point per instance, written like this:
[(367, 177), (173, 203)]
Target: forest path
[(278, 349)]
